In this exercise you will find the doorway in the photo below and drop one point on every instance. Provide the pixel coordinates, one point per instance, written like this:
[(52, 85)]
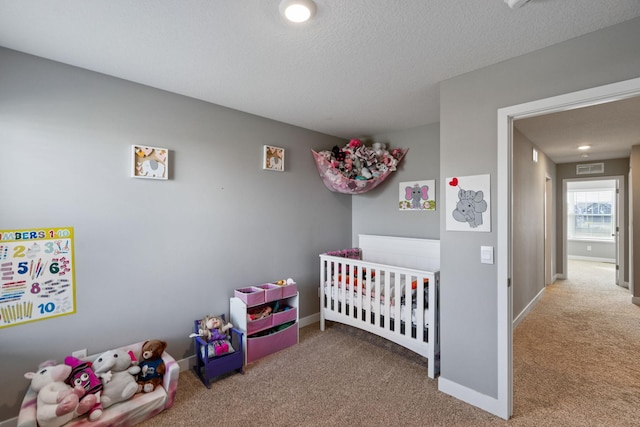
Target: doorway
[(593, 218), (602, 94)]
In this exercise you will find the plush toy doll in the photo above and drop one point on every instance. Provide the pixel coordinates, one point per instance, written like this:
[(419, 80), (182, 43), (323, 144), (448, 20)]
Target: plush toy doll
[(152, 367), (213, 328), (118, 372), (82, 375), (57, 403)]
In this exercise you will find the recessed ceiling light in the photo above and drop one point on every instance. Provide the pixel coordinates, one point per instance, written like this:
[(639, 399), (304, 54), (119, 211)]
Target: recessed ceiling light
[(297, 10), (584, 147), (584, 156)]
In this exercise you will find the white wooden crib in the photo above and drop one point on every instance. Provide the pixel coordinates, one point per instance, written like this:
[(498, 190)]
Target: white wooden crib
[(359, 288)]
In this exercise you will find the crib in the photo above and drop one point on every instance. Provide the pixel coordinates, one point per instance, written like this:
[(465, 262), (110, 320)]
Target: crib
[(388, 286)]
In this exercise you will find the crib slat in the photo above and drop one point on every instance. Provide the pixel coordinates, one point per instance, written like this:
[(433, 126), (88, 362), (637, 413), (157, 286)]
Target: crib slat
[(420, 293)]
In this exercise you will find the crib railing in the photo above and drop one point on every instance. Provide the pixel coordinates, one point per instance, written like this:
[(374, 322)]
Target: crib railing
[(396, 303)]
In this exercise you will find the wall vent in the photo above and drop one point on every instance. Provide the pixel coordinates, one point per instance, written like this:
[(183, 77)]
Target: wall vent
[(589, 168)]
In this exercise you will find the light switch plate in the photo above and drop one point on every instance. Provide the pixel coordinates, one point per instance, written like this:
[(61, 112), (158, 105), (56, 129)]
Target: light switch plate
[(486, 254)]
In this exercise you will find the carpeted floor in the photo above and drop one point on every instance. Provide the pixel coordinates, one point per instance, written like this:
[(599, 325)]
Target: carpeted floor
[(574, 365)]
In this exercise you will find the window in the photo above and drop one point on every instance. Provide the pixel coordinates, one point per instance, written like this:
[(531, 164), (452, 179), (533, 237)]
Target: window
[(590, 214)]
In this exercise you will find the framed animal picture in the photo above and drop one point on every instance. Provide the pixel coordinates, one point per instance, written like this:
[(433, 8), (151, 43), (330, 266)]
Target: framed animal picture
[(417, 195), (149, 162), (273, 158), (468, 203)]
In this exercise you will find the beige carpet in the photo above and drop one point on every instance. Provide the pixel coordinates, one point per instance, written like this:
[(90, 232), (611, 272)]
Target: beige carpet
[(574, 365)]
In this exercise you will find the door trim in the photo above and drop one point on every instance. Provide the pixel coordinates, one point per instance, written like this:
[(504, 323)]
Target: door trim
[(583, 98)]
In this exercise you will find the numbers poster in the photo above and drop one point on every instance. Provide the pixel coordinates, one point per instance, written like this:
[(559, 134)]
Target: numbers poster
[(36, 275)]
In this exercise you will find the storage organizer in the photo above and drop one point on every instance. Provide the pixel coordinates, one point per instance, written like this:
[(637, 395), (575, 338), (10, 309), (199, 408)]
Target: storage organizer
[(274, 331)]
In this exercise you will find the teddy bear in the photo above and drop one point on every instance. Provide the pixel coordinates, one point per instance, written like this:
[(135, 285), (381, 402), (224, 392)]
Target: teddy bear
[(152, 367), (57, 402), (82, 375), (117, 370)]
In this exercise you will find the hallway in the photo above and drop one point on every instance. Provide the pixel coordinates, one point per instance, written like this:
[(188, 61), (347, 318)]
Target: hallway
[(575, 354)]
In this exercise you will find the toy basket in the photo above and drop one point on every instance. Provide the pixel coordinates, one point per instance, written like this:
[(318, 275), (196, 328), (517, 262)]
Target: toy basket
[(335, 181)]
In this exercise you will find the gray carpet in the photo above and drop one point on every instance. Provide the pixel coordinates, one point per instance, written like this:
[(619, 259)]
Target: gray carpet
[(574, 365)]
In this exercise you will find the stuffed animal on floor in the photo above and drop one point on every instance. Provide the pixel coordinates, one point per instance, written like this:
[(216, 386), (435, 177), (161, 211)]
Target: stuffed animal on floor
[(82, 375), (118, 373), (152, 367), (57, 402)]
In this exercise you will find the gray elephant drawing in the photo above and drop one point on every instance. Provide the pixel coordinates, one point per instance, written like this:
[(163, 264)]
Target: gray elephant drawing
[(470, 206), (416, 194), (152, 168)]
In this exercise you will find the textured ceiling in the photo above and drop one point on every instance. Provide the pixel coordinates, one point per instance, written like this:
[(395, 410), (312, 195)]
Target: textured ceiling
[(360, 67)]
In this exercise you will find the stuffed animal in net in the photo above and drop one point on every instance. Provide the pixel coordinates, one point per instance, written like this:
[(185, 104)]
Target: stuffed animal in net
[(82, 375), (57, 402), (117, 369), (152, 367)]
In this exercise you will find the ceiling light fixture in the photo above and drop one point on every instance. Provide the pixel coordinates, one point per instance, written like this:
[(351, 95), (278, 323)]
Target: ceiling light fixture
[(297, 10), (584, 147), (514, 4)]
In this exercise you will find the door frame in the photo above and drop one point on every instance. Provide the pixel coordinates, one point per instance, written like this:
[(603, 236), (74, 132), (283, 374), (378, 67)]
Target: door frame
[(619, 223), (506, 116)]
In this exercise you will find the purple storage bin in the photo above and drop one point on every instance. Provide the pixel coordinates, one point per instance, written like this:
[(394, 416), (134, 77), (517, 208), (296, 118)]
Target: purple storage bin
[(289, 290), (251, 295), (254, 326), (259, 347), (284, 316), (272, 292)]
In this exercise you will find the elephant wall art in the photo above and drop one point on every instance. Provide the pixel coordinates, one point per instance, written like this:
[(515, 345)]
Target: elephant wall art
[(150, 162), (417, 195), (468, 203)]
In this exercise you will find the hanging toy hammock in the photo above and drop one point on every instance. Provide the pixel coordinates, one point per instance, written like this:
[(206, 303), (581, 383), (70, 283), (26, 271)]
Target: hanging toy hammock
[(356, 169)]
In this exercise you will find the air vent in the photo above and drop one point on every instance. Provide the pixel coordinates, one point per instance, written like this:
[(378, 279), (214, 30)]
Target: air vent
[(589, 168)]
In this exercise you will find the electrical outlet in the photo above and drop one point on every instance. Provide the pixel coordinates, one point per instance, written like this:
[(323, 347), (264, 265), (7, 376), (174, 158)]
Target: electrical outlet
[(79, 354)]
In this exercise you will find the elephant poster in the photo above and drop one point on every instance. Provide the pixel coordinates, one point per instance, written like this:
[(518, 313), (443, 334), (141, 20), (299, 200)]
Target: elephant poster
[(417, 196), (149, 162), (468, 203)]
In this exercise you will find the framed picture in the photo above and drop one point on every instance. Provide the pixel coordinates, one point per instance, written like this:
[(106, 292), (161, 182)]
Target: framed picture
[(149, 162), (468, 202), (417, 195), (273, 158)]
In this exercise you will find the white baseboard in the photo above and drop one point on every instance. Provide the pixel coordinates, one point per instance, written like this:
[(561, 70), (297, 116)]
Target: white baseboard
[(310, 320), (527, 309), (592, 258), (635, 300), (11, 422), (472, 397)]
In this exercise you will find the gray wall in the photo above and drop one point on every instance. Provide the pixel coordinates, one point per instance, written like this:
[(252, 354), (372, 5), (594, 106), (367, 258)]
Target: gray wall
[(613, 167), (377, 212), (151, 256), (529, 182), (468, 146), (591, 249), (635, 185)]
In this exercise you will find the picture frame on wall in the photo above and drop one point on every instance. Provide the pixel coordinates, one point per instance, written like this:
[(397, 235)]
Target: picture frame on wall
[(149, 162), (417, 195), (273, 158), (468, 203)]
